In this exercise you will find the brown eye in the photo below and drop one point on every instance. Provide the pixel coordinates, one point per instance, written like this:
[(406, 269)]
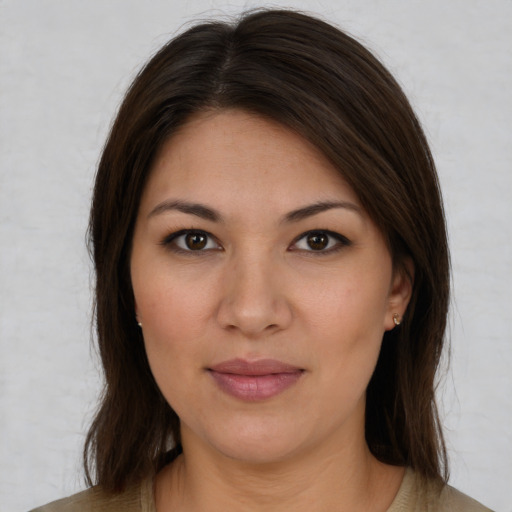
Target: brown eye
[(196, 241), (321, 242), (190, 240), (317, 241)]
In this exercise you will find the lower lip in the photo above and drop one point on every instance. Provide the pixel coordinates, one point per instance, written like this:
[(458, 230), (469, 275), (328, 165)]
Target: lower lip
[(253, 388)]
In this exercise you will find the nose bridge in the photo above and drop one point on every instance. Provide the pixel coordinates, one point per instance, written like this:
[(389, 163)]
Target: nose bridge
[(253, 301), (252, 279)]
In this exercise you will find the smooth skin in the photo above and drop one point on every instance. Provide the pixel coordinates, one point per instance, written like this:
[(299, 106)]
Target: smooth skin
[(249, 244)]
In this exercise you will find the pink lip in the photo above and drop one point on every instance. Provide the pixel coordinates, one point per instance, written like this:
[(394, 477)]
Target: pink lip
[(256, 380)]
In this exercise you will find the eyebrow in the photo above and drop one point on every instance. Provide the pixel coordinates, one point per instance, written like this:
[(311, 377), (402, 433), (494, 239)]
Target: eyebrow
[(319, 207), (199, 210), (207, 213)]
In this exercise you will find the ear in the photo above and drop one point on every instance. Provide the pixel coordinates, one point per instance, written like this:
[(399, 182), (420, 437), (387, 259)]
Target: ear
[(400, 293)]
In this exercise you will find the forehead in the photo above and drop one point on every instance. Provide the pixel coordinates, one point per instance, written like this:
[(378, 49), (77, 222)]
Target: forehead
[(234, 158)]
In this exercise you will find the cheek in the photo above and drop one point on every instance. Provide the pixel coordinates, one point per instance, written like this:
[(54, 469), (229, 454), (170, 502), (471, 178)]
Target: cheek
[(171, 330), (172, 316), (172, 301), (354, 308), (169, 309), (346, 323)]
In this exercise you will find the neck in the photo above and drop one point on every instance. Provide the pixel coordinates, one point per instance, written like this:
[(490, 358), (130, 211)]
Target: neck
[(324, 479)]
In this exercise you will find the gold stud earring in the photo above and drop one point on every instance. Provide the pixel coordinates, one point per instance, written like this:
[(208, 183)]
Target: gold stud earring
[(396, 319)]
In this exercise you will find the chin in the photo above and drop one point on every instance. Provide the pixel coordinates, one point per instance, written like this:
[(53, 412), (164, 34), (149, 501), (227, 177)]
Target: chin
[(258, 452), (251, 443)]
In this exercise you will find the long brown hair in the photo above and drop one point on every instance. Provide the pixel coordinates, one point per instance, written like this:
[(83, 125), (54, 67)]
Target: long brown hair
[(320, 82)]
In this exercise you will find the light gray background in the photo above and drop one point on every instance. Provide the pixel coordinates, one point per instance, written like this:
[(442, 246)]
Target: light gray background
[(63, 68)]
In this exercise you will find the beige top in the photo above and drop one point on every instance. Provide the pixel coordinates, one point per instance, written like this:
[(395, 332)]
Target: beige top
[(413, 495)]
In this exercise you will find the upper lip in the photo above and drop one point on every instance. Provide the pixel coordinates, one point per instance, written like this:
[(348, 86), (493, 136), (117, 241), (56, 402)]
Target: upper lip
[(257, 367)]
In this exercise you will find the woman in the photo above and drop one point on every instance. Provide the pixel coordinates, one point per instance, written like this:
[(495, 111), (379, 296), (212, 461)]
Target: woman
[(272, 282)]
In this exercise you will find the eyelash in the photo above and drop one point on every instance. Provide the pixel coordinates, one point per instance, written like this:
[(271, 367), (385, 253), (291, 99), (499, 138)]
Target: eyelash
[(340, 242)]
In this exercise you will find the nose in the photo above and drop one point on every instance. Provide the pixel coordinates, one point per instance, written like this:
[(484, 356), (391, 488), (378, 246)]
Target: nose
[(254, 301)]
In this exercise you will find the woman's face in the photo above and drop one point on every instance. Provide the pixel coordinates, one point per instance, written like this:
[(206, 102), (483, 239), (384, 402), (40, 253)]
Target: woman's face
[(263, 289)]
